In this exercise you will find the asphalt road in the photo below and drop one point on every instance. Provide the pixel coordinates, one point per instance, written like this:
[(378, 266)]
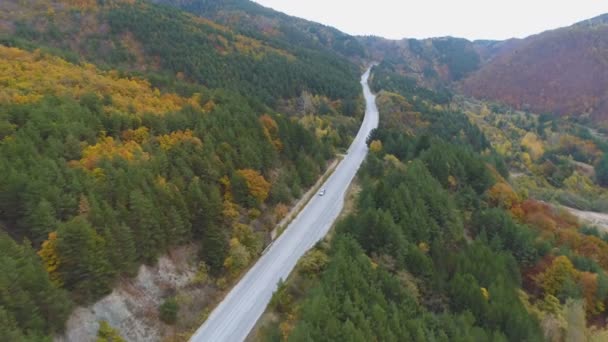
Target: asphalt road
[(236, 315)]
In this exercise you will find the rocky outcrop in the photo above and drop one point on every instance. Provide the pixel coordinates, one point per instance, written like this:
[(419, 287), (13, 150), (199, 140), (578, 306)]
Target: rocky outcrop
[(132, 307)]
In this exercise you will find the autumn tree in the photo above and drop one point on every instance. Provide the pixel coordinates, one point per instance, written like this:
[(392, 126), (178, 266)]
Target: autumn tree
[(48, 254), (258, 187), (559, 278), (271, 131), (375, 146), (502, 195)]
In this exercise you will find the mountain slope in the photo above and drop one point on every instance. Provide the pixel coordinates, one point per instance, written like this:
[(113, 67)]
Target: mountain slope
[(563, 71), (129, 128), (166, 44), (254, 20), (432, 62)]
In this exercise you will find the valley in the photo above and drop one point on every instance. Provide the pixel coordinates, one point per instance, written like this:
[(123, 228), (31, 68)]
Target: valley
[(242, 307), (174, 170)]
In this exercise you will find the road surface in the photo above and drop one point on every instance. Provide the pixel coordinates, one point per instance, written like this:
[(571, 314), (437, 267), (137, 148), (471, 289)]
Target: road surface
[(236, 315)]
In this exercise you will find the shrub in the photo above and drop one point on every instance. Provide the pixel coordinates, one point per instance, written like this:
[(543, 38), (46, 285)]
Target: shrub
[(168, 311)]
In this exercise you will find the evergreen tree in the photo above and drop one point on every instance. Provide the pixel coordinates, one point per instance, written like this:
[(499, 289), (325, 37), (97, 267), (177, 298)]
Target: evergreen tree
[(214, 247), (84, 266), (30, 305), (145, 226), (42, 220)]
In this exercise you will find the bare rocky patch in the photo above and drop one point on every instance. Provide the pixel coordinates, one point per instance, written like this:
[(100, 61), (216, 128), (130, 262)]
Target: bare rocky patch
[(132, 307)]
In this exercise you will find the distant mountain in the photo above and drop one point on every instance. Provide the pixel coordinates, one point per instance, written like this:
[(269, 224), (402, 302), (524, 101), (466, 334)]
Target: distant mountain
[(256, 21), (562, 71), (432, 62), (488, 49)]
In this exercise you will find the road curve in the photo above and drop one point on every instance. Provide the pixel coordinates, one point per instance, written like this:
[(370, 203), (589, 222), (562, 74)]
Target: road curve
[(236, 315)]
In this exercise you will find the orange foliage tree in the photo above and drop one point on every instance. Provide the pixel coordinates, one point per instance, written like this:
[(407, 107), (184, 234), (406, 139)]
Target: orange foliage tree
[(562, 227), (502, 195), (257, 184)]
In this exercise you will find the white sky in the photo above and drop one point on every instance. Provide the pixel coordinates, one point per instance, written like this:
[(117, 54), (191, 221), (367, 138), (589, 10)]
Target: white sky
[(472, 19)]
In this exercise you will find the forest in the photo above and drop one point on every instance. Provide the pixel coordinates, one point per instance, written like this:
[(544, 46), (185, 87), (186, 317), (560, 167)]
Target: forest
[(93, 186), (130, 128), (106, 168), (440, 247), (176, 50)]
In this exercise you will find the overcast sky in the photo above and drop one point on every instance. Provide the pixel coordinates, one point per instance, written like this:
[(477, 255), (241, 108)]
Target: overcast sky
[(472, 19)]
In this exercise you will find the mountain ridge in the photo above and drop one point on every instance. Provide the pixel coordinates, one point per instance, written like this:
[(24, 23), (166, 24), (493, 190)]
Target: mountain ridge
[(562, 71)]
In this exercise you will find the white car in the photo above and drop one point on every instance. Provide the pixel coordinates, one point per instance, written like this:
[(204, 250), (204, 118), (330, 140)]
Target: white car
[(322, 192)]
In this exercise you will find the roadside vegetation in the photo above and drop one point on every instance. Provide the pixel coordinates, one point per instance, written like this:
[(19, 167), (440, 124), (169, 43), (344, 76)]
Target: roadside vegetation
[(442, 246)]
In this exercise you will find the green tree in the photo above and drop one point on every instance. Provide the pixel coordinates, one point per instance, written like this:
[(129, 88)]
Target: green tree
[(30, 305), (84, 267), (106, 333), (601, 171), (168, 311), (145, 225), (42, 220), (214, 247)]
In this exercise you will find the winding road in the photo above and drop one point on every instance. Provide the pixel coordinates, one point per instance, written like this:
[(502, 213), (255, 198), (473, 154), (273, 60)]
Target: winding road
[(236, 315)]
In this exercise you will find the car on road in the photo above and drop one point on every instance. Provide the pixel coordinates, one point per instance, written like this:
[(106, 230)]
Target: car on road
[(322, 192)]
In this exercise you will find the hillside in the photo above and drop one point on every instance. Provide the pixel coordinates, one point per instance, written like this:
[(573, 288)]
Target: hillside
[(431, 62), (563, 71), (158, 145), (102, 173), (169, 46), (256, 21), (129, 130), (445, 244)]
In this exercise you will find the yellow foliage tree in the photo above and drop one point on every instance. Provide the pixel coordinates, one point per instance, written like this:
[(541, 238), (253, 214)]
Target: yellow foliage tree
[(107, 147), (375, 146), (256, 183), (138, 135), (581, 184), (167, 141), (271, 131), (485, 293), (50, 259), (553, 278), (533, 144), (424, 247), (229, 209), (238, 257), (27, 76)]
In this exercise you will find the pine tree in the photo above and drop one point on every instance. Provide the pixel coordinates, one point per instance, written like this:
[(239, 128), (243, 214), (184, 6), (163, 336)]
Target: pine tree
[(145, 226), (42, 220), (83, 261), (214, 247)]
